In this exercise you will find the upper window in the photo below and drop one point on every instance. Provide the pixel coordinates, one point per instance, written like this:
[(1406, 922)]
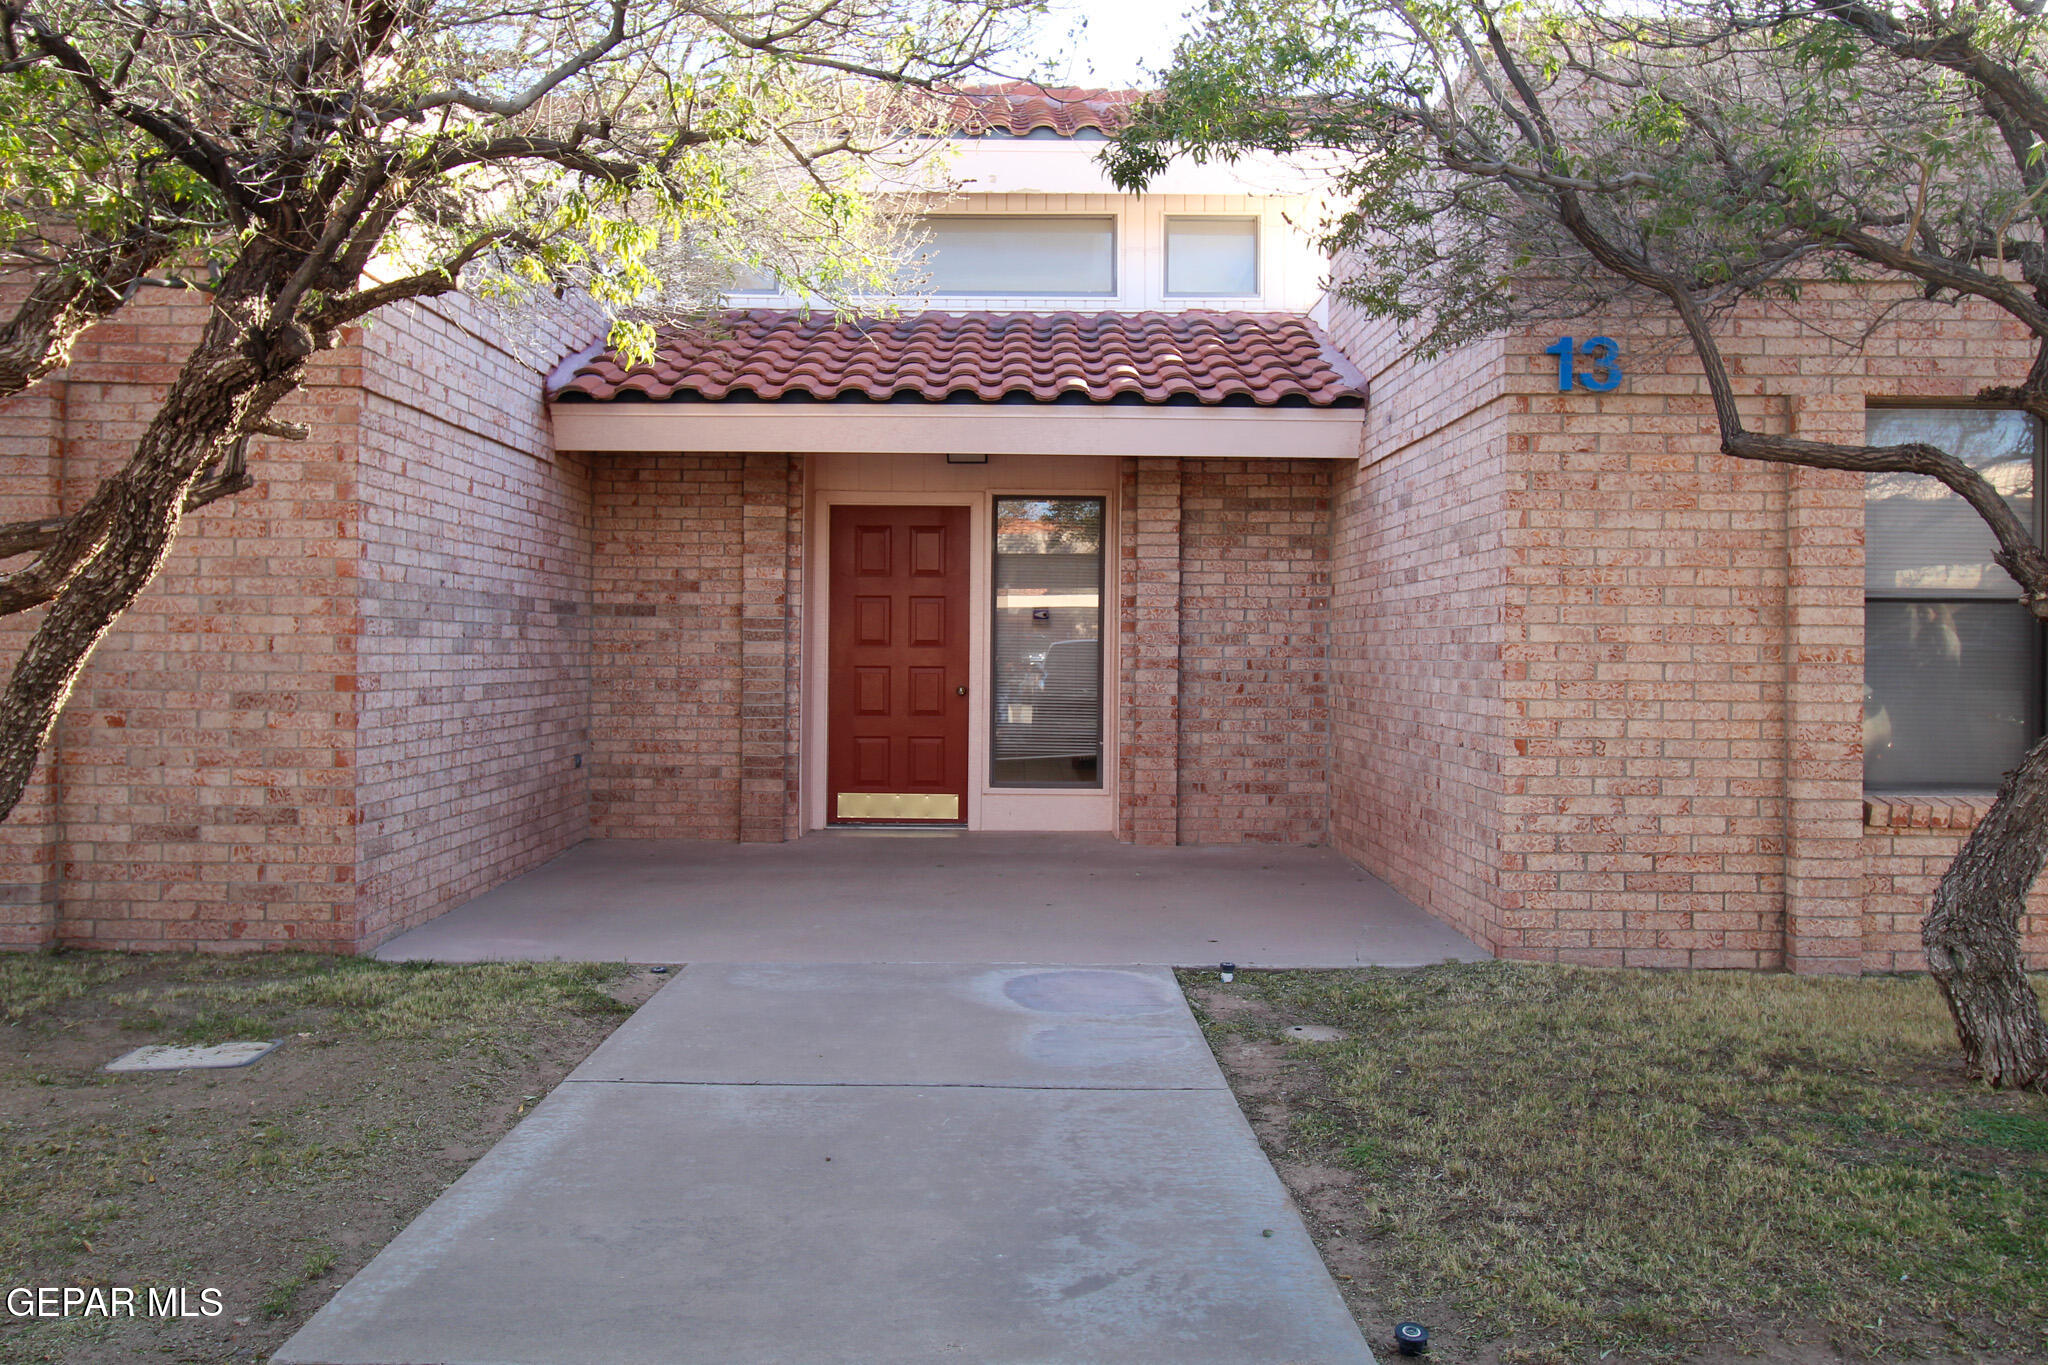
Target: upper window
[(1952, 661), (752, 279), (1212, 257), (993, 254)]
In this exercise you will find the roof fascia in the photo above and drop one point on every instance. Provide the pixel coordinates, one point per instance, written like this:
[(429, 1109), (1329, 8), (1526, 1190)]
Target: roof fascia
[(961, 429)]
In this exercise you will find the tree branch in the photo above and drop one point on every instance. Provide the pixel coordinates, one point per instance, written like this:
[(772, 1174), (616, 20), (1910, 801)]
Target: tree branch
[(190, 147), (1941, 271), (2018, 553), (340, 311), (25, 537), (1952, 50), (613, 38), (67, 299)]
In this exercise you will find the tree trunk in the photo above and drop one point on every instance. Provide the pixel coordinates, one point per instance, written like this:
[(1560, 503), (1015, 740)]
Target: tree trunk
[(1972, 933), (233, 375)]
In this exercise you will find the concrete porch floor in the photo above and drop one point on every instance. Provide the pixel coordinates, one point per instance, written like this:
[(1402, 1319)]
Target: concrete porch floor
[(929, 896)]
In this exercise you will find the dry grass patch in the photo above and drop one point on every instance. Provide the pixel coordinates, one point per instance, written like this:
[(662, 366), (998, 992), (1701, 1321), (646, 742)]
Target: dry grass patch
[(1568, 1162), (272, 1183)]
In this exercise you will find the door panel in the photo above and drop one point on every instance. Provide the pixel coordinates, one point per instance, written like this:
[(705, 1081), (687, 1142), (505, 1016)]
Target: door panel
[(928, 551), (928, 622), (874, 549), (871, 691), (927, 691), (896, 709), (871, 620)]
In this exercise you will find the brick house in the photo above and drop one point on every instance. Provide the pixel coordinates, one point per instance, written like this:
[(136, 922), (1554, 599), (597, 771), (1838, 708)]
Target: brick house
[(1127, 530)]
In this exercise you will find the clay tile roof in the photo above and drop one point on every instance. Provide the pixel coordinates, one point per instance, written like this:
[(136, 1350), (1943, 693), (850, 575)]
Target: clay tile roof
[(1020, 108), (1234, 359)]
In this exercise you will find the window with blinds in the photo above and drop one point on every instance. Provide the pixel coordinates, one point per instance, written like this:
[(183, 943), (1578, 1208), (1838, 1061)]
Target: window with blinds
[(1952, 693), (994, 254), (1047, 640)]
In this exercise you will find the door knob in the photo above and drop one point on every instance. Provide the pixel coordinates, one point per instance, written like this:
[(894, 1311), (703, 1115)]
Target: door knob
[(959, 691)]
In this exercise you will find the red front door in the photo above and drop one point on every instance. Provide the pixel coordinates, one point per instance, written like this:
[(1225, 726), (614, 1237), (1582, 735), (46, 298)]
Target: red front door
[(896, 711)]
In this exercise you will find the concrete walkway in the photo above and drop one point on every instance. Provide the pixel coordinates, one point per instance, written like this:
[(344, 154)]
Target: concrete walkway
[(924, 896), (865, 1164)]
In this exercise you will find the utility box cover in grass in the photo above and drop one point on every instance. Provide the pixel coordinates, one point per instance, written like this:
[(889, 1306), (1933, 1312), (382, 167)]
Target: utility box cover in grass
[(164, 1057)]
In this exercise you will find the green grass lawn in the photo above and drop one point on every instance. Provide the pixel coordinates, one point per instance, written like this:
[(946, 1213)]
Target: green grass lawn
[(1564, 1161)]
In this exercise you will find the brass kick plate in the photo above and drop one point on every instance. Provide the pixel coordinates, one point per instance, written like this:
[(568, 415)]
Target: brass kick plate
[(898, 806)]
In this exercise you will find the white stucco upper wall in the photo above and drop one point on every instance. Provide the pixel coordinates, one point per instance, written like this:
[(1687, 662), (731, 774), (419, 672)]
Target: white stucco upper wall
[(1011, 165), (1058, 176)]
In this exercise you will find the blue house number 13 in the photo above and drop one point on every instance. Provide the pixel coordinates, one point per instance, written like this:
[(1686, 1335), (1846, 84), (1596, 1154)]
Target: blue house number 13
[(1600, 358)]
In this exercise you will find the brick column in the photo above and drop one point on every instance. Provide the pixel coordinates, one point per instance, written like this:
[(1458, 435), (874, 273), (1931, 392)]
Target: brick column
[(1824, 700), (1149, 713), (767, 650), (793, 640)]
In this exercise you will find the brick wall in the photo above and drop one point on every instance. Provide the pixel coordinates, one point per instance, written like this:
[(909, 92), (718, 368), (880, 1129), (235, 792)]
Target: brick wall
[(1645, 615), (204, 768), (696, 598), (1908, 841), (410, 582), (1254, 667), (771, 645), (1224, 719), (1678, 726), (474, 656), (1418, 727), (1149, 628)]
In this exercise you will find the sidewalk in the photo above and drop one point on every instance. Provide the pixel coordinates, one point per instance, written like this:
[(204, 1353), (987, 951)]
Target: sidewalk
[(865, 1164)]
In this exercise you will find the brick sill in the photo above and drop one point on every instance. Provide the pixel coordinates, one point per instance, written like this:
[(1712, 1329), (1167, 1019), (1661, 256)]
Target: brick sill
[(1908, 811)]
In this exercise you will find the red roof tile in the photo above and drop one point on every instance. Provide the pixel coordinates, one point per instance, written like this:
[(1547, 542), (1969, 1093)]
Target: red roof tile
[(1266, 359), (1020, 108)]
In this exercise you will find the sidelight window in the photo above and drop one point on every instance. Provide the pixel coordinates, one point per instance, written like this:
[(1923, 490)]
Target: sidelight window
[(1047, 638)]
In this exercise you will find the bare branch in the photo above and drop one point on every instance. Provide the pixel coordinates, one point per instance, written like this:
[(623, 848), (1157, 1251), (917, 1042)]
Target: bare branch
[(1942, 273), (610, 41), (1952, 49)]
